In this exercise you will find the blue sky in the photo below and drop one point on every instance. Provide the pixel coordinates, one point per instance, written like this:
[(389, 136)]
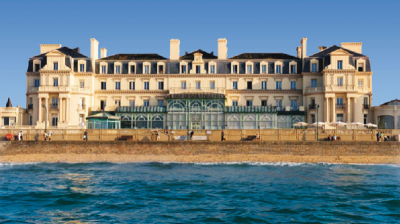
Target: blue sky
[(249, 26)]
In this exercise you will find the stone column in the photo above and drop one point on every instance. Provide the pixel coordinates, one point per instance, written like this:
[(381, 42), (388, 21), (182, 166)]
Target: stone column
[(60, 111), (348, 112), (40, 111), (67, 110), (333, 110), (327, 110), (47, 109), (355, 109)]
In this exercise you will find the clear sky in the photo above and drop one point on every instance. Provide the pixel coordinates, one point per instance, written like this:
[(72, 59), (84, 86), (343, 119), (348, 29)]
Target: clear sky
[(250, 26)]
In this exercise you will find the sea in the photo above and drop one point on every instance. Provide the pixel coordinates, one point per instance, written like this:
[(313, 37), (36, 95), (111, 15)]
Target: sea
[(199, 193)]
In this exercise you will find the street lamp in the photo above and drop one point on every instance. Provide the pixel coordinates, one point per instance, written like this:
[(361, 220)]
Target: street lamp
[(45, 118), (317, 123)]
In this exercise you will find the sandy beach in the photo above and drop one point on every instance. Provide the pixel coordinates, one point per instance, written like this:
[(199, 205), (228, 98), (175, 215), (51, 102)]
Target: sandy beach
[(203, 158)]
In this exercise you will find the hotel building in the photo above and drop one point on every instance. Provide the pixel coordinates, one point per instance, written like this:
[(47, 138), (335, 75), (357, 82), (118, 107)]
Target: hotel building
[(197, 90)]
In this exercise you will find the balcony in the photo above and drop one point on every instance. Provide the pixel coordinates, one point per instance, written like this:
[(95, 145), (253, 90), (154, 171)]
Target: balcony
[(30, 106), (340, 106), (81, 106), (314, 89), (312, 106), (32, 89), (174, 90), (51, 88), (54, 106), (294, 108), (365, 106)]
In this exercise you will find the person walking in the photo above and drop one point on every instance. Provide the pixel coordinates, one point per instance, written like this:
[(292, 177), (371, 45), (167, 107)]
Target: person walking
[(377, 136), (191, 135), (381, 137), (50, 134), (20, 136), (222, 136), (85, 138), (158, 136)]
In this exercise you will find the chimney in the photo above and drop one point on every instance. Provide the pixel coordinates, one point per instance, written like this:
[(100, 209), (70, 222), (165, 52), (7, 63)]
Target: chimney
[(353, 46), (222, 49), (103, 52), (174, 49), (321, 48), (44, 48), (303, 47), (298, 49), (94, 49)]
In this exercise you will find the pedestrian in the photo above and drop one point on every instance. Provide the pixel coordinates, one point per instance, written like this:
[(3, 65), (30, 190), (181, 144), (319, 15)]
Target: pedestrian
[(85, 138), (158, 136), (377, 136), (191, 135), (44, 136), (381, 137), (257, 137), (20, 136), (222, 136), (50, 134)]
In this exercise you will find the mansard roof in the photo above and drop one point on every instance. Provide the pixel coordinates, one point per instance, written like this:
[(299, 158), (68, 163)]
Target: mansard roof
[(134, 57), (206, 55), (74, 53), (263, 56), (392, 102), (333, 48)]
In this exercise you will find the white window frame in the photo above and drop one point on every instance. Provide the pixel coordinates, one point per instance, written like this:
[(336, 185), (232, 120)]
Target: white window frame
[(195, 84), (314, 61), (103, 64), (182, 84), (129, 67), (144, 65), (212, 82), (212, 63), (359, 61), (36, 62), (80, 82), (81, 62), (290, 67), (249, 63), (276, 64), (266, 64), (158, 65), (180, 67), (362, 83), (233, 64), (115, 68)]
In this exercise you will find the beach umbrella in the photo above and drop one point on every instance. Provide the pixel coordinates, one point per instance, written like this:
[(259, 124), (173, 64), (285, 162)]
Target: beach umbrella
[(369, 125), (318, 124), (300, 124), (338, 124), (356, 124)]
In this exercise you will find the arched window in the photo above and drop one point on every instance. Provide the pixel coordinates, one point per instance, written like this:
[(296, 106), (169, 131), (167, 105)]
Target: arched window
[(386, 122), (141, 121), (233, 121), (126, 121), (266, 121), (195, 105), (176, 106), (249, 121), (157, 121)]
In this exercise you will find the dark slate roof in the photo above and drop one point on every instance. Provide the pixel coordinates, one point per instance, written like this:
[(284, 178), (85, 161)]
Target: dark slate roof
[(332, 49), (392, 102), (263, 56), (253, 109), (196, 96), (152, 109), (74, 53), (206, 55), (134, 57)]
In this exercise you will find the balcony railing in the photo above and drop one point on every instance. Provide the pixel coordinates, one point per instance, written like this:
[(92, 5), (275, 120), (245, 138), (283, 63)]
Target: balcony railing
[(294, 108), (196, 90), (365, 106), (50, 88), (340, 106), (54, 106), (314, 89), (32, 89), (81, 106), (312, 106), (30, 106)]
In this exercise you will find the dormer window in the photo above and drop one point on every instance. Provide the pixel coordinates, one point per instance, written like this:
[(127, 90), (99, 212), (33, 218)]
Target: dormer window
[(360, 67), (314, 67), (55, 66), (82, 67), (160, 68), (198, 69), (146, 68), (103, 68), (212, 67), (132, 68), (264, 67), (340, 64), (293, 67), (249, 67), (118, 69), (235, 67), (183, 68), (36, 66)]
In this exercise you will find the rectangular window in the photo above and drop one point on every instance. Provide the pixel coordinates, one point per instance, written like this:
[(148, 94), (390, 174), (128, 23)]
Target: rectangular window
[(82, 84), (234, 85), (146, 69), (212, 69), (235, 103), (314, 67), (37, 82), (360, 67), (312, 118), (249, 69), (54, 121), (278, 69), (183, 85), (293, 104), (54, 102), (161, 69), (235, 69), (278, 84), (55, 66), (103, 69), (146, 85), (339, 117), (264, 85), (292, 84), (293, 69), (264, 69), (160, 103), (102, 104), (131, 85), (118, 85), (55, 82), (118, 69), (103, 85), (197, 69), (313, 82), (198, 85), (278, 105), (249, 103), (212, 84), (37, 67), (133, 69), (82, 68), (146, 103), (340, 81), (249, 85), (131, 103), (161, 85), (360, 83), (263, 103), (117, 103), (339, 64), (365, 118), (183, 69), (339, 101), (30, 120)]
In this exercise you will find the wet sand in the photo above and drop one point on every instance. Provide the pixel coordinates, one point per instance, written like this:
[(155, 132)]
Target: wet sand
[(201, 158)]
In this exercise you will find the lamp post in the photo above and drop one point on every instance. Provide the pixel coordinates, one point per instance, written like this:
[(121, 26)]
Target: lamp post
[(317, 123), (45, 118)]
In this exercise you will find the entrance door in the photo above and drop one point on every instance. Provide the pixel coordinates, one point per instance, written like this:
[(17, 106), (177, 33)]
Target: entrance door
[(196, 125)]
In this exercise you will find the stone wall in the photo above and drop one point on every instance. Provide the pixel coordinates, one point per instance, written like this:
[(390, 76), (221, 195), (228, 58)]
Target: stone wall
[(197, 148)]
